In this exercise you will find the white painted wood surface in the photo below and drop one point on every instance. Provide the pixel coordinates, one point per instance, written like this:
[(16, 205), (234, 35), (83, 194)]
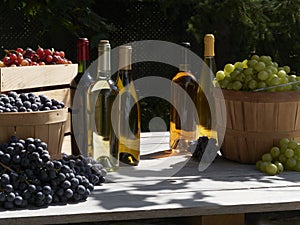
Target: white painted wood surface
[(171, 186)]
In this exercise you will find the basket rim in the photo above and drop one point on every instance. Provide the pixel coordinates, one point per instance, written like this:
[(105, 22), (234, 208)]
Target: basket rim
[(250, 96), (33, 118)]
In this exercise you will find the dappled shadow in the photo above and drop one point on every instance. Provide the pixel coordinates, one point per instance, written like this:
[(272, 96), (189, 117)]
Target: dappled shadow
[(186, 187)]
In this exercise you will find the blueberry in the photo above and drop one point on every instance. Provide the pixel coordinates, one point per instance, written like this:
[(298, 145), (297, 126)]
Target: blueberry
[(31, 95), (11, 100), (48, 104), (5, 99), (54, 102), (27, 104), (8, 105), (34, 107), (12, 94), (22, 109), (19, 103), (24, 97)]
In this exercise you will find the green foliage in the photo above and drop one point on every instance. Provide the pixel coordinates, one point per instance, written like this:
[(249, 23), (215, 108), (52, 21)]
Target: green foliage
[(241, 27), (69, 17)]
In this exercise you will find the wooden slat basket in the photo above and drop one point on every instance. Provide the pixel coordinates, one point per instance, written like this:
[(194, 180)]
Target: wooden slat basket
[(49, 126), (256, 121), (50, 80)]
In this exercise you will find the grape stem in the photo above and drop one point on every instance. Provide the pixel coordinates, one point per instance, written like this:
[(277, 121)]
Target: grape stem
[(279, 85), (6, 167)]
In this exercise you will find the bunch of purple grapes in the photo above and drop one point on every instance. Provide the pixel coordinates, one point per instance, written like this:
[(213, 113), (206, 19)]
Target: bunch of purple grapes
[(28, 176), (27, 102), (198, 147)]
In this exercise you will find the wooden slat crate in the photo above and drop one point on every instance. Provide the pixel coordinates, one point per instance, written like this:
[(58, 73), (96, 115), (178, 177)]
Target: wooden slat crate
[(26, 77), (50, 80)]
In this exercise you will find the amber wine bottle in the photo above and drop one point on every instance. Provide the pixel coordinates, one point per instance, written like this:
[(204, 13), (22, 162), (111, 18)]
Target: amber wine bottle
[(79, 110), (205, 116), (101, 95), (129, 124), (183, 110)]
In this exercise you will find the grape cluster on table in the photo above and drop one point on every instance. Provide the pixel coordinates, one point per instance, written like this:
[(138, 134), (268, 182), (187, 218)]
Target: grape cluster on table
[(27, 102), (286, 156), (28, 176), (258, 72), (29, 57), (200, 146)]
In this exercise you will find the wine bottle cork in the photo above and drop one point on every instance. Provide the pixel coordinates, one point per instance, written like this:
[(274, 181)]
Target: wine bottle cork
[(209, 43)]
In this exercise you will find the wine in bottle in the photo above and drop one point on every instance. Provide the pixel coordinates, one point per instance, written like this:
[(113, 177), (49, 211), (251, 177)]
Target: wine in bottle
[(129, 124), (79, 110), (205, 117), (183, 110), (101, 95)]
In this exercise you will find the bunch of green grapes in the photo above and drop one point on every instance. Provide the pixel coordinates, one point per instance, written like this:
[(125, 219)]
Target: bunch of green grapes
[(284, 157), (256, 73)]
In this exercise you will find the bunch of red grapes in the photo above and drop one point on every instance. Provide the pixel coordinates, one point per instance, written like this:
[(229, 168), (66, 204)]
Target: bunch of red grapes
[(29, 57)]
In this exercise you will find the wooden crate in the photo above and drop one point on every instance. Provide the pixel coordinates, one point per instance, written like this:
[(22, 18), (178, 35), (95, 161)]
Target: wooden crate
[(29, 77), (50, 80)]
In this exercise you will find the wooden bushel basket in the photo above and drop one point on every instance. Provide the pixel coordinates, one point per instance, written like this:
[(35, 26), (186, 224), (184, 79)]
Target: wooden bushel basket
[(256, 121), (49, 126)]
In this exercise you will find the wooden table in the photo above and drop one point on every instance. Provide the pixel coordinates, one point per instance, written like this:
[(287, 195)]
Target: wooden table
[(172, 186)]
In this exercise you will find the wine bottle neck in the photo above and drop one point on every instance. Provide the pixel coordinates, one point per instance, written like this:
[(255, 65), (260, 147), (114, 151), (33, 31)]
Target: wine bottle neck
[(125, 53), (211, 63), (82, 66), (83, 60), (104, 60), (124, 77), (184, 66)]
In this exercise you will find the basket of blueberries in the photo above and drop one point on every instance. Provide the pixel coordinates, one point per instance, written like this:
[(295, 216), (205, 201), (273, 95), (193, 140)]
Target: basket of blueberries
[(29, 115)]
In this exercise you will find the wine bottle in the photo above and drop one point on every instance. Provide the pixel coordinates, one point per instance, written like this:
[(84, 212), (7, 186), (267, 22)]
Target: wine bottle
[(79, 108), (205, 117), (183, 110), (101, 95), (129, 124)]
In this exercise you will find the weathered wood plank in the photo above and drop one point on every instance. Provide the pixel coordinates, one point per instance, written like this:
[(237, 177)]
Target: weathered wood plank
[(126, 205), (170, 187), (18, 78)]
